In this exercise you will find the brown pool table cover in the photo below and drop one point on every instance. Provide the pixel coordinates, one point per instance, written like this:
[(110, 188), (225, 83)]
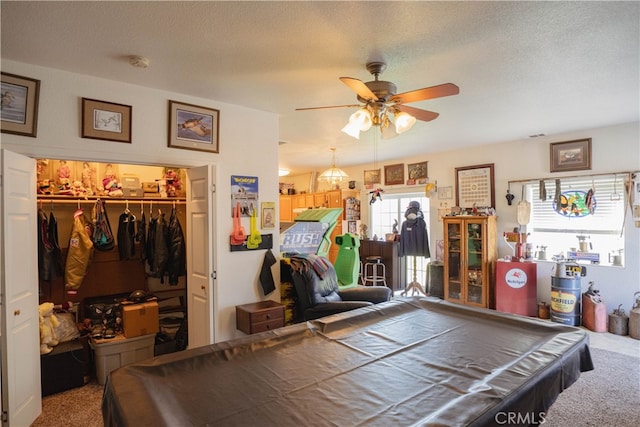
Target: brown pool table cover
[(411, 361)]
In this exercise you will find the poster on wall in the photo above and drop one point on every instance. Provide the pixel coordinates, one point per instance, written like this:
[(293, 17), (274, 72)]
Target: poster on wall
[(244, 191)]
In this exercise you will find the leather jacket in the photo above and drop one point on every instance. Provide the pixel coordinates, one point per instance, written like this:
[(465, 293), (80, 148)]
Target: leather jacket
[(49, 253), (126, 235), (177, 259), (157, 249)]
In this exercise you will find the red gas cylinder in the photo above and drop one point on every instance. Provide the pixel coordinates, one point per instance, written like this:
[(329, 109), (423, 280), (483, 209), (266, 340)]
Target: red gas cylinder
[(594, 311)]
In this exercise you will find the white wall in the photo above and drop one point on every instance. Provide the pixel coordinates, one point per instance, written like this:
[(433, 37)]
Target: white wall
[(244, 150), (614, 148)]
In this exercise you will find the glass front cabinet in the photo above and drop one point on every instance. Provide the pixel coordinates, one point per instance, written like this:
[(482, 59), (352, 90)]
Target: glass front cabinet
[(469, 258)]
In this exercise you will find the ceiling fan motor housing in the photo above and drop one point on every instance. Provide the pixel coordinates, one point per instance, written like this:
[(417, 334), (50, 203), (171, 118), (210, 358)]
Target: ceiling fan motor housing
[(382, 89)]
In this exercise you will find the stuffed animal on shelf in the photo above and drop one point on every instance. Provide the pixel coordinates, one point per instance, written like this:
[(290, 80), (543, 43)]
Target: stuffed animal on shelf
[(48, 323), (110, 185)]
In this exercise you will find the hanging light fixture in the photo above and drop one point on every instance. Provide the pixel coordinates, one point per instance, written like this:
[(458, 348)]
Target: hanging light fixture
[(333, 175), (375, 114)]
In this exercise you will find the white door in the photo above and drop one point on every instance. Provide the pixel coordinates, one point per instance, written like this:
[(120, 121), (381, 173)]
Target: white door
[(20, 340), (200, 266)]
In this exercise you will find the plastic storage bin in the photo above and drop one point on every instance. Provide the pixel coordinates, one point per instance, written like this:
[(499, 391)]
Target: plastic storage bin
[(120, 351)]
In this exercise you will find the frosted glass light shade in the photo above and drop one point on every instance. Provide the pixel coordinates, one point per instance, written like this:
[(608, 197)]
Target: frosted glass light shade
[(362, 119), (404, 121), (352, 130)]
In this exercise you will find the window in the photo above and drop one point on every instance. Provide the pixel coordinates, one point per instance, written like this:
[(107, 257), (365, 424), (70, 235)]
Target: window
[(595, 234), (391, 208)]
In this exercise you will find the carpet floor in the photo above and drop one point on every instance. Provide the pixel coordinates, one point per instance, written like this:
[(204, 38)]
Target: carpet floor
[(606, 396)]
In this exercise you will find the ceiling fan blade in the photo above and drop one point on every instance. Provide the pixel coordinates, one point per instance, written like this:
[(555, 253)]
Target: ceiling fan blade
[(331, 106), (360, 88), (424, 115), (432, 92)]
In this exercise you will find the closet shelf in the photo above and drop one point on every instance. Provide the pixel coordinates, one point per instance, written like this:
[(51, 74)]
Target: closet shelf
[(92, 199)]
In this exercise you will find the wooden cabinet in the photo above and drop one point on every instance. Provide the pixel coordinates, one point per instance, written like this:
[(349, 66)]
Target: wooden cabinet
[(319, 200), (290, 205), (259, 316), (395, 266), (286, 209), (299, 202), (470, 255), (334, 198), (309, 201)]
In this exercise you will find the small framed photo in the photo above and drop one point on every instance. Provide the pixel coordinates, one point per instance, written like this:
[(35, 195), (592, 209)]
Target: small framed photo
[(193, 128), (445, 193), (394, 174), (570, 155), (106, 120), (268, 214), (19, 112), (372, 177)]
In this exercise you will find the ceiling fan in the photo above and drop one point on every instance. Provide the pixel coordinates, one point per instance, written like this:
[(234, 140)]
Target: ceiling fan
[(379, 98)]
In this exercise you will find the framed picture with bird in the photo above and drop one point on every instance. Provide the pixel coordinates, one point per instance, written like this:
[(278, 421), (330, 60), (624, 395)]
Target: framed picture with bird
[(19, 104), (193, 127), (106, 120)]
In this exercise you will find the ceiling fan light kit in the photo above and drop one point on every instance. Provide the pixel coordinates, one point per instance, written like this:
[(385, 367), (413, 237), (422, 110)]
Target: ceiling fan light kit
[(380, 100)]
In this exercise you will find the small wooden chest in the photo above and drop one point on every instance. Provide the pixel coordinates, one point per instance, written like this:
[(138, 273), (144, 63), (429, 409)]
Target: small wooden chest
[(259, 316)]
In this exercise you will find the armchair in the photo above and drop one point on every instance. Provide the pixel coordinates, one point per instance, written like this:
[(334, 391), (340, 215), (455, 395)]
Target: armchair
[(316, 285)]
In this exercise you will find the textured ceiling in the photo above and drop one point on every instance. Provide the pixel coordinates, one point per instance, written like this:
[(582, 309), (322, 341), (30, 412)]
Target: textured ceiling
[(523, 68)]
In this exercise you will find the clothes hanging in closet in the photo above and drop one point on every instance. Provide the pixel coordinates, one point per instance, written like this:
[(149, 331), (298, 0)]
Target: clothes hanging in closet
[(177, 259), (79, 252), (49, 253), (157, 247), (126, 235), (141, 236), (56, 254)]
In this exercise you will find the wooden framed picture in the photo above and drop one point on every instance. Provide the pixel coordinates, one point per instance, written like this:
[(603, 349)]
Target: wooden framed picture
[(193, 127), (19, 101), (106, 120), (372, 177), (417, 171), (570, 155), (394, 174), (475, 186)]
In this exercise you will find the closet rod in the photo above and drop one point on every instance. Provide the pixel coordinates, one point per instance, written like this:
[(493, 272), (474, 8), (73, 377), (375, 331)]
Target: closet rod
[(143, 201), (568, 176)]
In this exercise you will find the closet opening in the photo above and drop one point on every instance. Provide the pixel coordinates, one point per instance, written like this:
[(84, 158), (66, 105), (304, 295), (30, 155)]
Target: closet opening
[(135, 198)]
